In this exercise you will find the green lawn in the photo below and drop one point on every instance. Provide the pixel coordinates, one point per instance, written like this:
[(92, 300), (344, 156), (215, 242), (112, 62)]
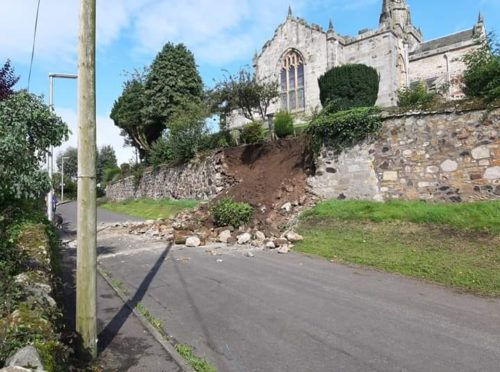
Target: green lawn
[(452, 244), (149, 208)]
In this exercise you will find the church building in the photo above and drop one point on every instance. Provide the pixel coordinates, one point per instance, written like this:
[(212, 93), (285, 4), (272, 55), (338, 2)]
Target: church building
[(299, 53)]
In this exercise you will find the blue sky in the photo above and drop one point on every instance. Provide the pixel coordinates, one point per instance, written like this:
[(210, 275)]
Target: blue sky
[(223, 34)]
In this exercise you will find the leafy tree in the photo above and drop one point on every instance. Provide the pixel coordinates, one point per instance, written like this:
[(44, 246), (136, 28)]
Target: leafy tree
[(28, 130), (185, 136), (70, 162), (106, 159), (7, 80), (482, 75), (173, 82), (244, 93), (127, 114), (348, 86)]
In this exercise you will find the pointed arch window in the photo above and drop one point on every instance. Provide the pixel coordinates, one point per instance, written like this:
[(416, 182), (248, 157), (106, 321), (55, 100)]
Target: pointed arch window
[(292, 82)]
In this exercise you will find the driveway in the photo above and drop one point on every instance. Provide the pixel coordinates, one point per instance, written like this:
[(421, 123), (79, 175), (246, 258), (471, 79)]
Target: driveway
[(292, 312)]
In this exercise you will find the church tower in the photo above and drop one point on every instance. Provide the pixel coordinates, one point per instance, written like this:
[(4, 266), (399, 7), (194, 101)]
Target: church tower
[(396, 16)]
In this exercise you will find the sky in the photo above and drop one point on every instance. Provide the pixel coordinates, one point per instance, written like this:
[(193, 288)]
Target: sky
[(222, 34)]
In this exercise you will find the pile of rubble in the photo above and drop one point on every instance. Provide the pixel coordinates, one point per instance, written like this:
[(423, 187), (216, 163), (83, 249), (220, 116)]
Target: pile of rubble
[(190, 228)]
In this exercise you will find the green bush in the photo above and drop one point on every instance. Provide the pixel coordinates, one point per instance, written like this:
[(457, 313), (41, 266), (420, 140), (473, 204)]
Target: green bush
[(482, 76), (349, 86), (110, 174), (252, 133), (228, 212), (217, 140), (344, 129), (161, 152), (416, 96), (283, 124)]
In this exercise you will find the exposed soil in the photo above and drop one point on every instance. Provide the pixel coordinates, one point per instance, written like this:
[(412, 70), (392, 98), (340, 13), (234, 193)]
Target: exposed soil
[(270, 175)]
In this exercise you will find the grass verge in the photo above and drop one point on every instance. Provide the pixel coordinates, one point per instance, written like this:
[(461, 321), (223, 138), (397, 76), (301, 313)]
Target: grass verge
[(197, 363), (428, 242), (478, 216), (150, 208)]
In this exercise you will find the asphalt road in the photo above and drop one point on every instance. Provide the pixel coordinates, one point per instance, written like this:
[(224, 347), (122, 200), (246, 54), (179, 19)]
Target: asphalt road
[(296, 313)]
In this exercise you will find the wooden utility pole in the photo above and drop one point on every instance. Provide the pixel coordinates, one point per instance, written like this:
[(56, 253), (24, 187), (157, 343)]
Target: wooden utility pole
[(86, 289)]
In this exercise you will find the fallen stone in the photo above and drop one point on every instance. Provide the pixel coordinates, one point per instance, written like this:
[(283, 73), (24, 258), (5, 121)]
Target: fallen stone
[(283, 249), (259, 235), (280, 241), (224, 236), (287, 207), (249, 254), (270, 245), (27, 357), (294, 237), (244, 238), (219, 260), (15, 369), (193, 241)]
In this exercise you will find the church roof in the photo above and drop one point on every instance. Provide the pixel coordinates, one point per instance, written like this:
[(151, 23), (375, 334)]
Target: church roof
[(445, 41)]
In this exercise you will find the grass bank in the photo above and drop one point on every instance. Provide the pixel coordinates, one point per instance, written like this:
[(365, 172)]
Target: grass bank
[(150, 209), (452, 244)]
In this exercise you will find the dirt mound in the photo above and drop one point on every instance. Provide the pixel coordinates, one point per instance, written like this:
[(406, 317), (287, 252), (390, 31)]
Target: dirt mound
[(270, 175)]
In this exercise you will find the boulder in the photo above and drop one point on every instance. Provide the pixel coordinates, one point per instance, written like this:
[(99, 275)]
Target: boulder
[(270, 245), (287, 207), (294, 237), (193, 241), (244, 238), (280, 241), (259, 235), (224, 236), (283, 249), (28, 357)]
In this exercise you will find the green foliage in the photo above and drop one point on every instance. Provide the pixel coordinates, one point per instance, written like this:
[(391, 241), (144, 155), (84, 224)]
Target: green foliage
[(70, 162), (197, 363), (106, 159), (217, 140), (343, 129), (482, 74), (184, 138), (244, 93), (172, 82), (7, 80), (349, 86), (283, 124), (127, 114), (252, 133), (416, 96), (28, 130), (227, 212), (110, 174)]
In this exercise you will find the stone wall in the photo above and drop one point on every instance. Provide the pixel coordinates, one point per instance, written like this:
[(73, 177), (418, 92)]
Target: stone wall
[(202, 180), (448, 156)]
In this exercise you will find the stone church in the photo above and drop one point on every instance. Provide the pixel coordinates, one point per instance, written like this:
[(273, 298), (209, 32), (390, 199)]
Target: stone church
[(299, 53)]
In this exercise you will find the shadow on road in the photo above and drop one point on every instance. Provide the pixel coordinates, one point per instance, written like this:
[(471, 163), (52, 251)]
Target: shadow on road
[(109, 332)]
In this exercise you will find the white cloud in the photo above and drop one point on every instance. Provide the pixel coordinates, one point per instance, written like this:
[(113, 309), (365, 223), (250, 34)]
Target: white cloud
[(218, 32), (107, 134)]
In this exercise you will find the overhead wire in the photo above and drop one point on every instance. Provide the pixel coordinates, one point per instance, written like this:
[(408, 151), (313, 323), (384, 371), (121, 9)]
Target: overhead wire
[(34, 44)]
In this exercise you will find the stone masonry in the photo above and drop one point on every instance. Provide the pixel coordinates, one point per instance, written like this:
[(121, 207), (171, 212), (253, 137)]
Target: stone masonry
[(197, 180), (448, 156)]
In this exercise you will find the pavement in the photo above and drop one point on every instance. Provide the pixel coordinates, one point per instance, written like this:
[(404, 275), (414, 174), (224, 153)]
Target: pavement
[(293, 312), (123, 342)]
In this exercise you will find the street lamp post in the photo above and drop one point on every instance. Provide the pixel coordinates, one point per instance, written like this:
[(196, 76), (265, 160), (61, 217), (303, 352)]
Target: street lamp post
[(50, 162), (62, 177)]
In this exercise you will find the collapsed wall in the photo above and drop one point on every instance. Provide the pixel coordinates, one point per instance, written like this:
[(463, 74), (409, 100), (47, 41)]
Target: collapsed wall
[(447, 156), (439, 156)]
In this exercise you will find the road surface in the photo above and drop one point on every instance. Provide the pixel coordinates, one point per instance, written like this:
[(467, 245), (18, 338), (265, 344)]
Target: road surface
[(296, 313)]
